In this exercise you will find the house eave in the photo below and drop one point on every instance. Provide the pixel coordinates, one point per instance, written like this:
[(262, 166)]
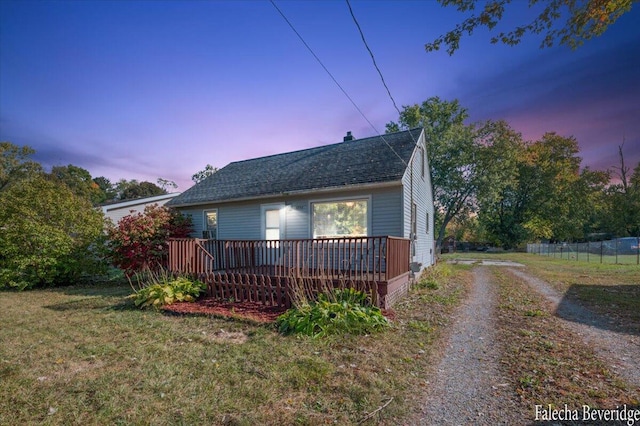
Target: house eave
[(374, 185), (137, 201)]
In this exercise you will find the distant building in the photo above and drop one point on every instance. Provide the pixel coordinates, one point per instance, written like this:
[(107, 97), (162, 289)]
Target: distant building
[(119, 209)]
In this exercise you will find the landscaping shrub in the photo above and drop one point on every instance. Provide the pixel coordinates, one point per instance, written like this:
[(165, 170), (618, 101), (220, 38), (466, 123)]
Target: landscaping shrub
[(139, 241), (164, 289), (338, 311)]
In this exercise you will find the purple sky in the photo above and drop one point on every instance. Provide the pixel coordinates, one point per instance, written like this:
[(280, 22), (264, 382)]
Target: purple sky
[(141, 90)]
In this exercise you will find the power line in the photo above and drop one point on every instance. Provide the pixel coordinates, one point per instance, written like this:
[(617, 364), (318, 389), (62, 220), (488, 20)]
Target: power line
[(372, 57), (375, 64), (384, 83), (336, 82)]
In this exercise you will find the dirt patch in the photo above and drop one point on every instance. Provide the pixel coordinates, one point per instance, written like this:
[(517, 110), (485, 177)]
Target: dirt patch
[(67, 369), (485, 262), (223, 336)]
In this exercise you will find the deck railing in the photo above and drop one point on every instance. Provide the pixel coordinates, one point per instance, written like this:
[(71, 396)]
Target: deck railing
[(398, 256), (188, 255), (362, 258)]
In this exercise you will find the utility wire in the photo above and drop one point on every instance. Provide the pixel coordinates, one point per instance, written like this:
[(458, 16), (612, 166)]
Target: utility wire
[(336, 82), (384, 83), (375, 64)]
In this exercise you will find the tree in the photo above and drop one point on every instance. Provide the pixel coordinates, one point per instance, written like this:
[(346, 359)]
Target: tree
[(547, 198), (140, 241), (634, 190), (15, 164), (556, 203), (622, 217), (129, 190), (499, 203), (165, 183), (107, 190), (79, 181), (452, 149), (519, 190), (593, 190), (465, 228), (203, 174), (48, 236), (585, 19)]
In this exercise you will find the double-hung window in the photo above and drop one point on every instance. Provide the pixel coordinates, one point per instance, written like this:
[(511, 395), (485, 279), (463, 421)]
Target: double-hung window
[(210, 224), (272, 224)]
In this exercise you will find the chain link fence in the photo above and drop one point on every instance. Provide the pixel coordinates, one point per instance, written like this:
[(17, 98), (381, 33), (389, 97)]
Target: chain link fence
[(619, 251)]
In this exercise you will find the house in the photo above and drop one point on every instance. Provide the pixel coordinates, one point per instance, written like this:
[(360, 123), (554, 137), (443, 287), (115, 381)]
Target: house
[(349, 204), (119, 209)]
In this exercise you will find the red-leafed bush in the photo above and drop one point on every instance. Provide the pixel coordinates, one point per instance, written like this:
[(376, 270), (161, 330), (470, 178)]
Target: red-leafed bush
[(139, 241)]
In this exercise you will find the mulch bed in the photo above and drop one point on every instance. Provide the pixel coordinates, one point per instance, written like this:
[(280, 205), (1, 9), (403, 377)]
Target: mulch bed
[(250, 311)]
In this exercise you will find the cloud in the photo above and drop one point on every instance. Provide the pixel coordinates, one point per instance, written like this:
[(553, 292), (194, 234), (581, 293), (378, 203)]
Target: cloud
[(592, 95)]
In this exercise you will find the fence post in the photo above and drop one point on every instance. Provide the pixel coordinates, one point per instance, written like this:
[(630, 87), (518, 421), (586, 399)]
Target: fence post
[(601, 251)]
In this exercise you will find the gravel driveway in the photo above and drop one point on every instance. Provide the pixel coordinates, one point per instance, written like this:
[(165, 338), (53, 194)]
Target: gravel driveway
[(466, 387)]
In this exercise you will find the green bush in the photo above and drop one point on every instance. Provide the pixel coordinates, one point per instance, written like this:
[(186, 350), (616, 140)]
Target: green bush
[(168, 291), (338, 312), (48, 235)]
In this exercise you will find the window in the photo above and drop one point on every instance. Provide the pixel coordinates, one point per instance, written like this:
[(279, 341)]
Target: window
[(272, 224), (426, 227), (210, 224), (422, 161), (346, 218), (272, 219)]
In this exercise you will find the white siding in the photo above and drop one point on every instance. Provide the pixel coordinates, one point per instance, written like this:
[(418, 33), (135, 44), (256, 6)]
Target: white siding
[(235, 221), (297, 220), (116, 214), (242, 221), (239, 222), (117, 211), (423, 198), (386, 209), (197, 218)]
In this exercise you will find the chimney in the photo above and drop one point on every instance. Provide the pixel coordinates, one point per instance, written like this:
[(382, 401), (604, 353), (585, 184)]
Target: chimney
[(349, 137)]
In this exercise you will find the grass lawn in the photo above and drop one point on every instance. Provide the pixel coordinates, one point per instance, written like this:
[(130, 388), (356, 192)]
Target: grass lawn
[(609, 289), (85, 355), (546, 363)]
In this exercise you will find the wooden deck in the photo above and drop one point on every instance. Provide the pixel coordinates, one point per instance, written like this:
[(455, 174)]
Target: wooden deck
[(265, 271)]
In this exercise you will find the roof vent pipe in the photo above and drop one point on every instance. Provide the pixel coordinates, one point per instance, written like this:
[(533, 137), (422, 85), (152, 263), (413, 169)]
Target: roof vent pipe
[(349, 137)]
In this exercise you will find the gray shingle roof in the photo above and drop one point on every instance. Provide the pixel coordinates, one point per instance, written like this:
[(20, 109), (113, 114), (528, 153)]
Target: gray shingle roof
[(340, 165)]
